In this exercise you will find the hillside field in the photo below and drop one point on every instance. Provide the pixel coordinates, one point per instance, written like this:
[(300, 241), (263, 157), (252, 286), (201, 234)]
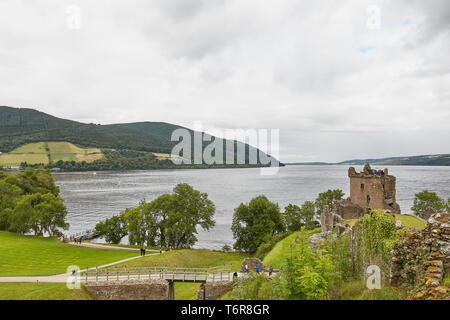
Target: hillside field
[(44, 152)]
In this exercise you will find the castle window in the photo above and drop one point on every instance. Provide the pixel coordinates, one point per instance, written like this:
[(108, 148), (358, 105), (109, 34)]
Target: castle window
[(362, 186), (368, 199)]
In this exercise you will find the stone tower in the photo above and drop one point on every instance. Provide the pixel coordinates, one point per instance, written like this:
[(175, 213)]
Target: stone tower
[(372, 189)]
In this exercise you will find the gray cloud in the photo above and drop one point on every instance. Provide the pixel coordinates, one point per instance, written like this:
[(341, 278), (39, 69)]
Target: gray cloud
[(335, 88)]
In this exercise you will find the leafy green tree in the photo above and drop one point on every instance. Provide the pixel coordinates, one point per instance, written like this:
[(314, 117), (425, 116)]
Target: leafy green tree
[(427, 203), (256, 223), (112, 229), (297, 217), (52, 214), (135, 225), (20, 219), (171, 220), (327, 199), (190, 208)]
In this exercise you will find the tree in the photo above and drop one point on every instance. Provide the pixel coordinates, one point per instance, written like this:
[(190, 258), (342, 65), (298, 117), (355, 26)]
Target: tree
[(170, 220), (427, 203), (112, 229), (328, 198), (297, 217), (189, 208), (255, 223)]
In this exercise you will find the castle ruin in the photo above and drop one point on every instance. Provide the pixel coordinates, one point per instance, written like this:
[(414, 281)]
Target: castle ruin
[(369, 189), (373, 189)]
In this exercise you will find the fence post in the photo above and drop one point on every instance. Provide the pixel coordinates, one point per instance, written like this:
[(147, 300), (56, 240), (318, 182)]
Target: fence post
[(96, 273)]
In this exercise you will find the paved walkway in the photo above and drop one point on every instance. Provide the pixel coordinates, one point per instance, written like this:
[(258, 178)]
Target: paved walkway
[(63, 276), (103, 246)]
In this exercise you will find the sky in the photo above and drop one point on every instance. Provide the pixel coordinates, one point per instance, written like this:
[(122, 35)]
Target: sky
[(340, 79)]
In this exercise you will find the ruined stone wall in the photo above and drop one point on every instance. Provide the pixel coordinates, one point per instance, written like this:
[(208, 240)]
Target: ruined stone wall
[(154, 289), (422, 258), (214, 290)]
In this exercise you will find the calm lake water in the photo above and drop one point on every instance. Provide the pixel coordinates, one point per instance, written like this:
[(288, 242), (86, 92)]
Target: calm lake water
[(93, 197)]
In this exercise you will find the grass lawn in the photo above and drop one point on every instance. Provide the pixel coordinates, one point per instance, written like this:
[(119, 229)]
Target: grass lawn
[(36, 256), (40, 291), (186, 290), (410, 221), (187, 258), (407, 221), (280, 251)]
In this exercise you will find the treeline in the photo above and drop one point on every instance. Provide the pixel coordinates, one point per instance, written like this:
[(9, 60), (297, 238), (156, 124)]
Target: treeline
[(30, 202), (169, 221), (260, 224), (119, 160)]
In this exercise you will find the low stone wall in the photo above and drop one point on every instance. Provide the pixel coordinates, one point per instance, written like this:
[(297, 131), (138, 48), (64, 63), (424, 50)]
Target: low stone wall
[(214, 290), (154, 289)]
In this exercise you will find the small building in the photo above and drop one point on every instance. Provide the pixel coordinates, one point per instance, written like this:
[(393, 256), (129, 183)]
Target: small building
[(373, 189)]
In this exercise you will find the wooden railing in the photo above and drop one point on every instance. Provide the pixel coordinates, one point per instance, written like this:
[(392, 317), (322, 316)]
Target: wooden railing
[(165, 273)]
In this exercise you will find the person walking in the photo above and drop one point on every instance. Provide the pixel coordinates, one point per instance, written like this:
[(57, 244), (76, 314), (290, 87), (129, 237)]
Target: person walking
[(257, 268), (246, 268), (270, 271)]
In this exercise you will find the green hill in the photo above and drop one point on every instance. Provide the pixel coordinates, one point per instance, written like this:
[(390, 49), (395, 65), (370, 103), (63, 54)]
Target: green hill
[(20, 127), (422, 160)]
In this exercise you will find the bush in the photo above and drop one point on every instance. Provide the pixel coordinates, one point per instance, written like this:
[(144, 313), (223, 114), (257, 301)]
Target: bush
[(226, 248), (255, 287), (266, 247)]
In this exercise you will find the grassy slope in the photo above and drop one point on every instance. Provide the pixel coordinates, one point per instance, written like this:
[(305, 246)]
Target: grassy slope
[(35, 256), (36, 153), (407, 221), (186, 258), (277, 255), (40, 291)]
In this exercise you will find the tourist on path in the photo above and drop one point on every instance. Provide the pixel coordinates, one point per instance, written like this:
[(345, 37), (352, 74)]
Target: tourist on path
[(257, 268), (246, 268)]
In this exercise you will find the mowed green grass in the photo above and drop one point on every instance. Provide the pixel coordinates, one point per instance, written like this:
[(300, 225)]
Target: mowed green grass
[(277, 256), (190, 258), (186, 290), (41, 291), (37, 256)]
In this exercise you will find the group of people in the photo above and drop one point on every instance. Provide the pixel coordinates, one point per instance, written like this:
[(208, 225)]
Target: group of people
[(142, 252), (257, 269)]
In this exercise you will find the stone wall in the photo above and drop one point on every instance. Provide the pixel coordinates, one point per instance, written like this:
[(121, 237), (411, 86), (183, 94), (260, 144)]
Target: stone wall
[(154, 289), (214, 290), (422, 258)]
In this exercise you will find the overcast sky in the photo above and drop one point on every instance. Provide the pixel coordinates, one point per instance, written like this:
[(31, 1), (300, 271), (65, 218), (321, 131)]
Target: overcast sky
[(337, 79)]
